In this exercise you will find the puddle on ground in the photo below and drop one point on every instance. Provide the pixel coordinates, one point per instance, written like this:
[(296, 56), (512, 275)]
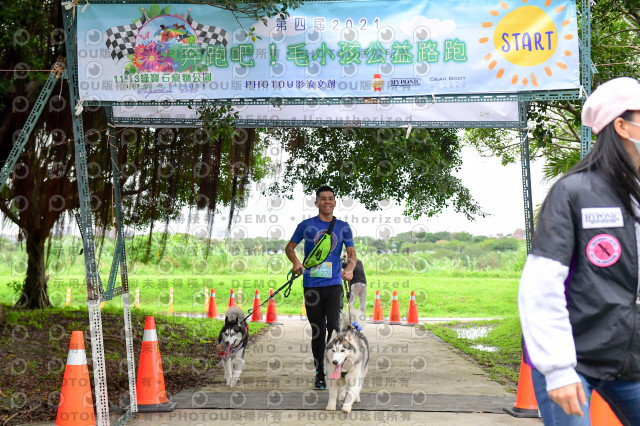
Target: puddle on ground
[(472, 332), (485, 348)]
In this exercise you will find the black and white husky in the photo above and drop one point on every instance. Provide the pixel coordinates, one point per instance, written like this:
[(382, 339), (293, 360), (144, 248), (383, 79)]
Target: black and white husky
[(232, 342), (348, 355)]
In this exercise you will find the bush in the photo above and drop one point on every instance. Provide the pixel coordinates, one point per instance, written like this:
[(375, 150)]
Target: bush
[(502, 244)]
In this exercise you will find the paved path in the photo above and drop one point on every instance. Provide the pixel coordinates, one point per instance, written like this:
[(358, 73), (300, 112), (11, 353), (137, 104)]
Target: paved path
[(414, 378)]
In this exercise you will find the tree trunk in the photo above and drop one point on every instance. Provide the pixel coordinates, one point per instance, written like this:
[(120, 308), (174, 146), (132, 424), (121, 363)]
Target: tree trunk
[(34, 291)]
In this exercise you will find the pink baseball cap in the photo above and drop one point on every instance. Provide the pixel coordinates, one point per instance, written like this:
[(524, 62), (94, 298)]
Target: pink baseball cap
[(609, 101)]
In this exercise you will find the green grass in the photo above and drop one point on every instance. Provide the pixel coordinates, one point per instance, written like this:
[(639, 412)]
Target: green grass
[(502, 365), (444, 287), (437, 295), (199, 331)]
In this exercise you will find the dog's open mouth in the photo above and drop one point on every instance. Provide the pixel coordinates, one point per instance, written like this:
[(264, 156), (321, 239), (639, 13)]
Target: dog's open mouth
[(337, 371)]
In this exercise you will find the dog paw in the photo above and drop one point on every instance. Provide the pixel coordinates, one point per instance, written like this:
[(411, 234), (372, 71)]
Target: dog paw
[(357, 398), (346, 409), (331, 407)]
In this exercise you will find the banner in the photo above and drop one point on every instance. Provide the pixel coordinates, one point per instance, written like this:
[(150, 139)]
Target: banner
[(362, 49), (357, 115)]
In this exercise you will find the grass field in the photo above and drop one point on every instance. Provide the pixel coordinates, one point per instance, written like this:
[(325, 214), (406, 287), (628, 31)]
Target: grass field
[(437, 294), (444, 288)]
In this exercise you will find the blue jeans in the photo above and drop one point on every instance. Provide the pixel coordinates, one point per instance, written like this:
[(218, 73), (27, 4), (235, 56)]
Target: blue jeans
[(623, 396)]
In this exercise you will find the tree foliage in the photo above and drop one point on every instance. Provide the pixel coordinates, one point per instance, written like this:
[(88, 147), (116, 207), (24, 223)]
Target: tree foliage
[(378, 164), (161, 171)]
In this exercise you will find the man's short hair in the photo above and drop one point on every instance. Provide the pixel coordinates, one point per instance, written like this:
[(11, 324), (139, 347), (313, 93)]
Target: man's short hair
[(324, 188)]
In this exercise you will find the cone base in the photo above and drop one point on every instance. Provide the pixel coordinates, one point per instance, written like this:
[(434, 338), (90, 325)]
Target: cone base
[(411, 325), (375, 322), (273, 323), (522, 412), (395, 322), (157, 408)]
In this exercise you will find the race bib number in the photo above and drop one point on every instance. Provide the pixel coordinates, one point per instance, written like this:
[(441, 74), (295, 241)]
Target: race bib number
[(323, 270)]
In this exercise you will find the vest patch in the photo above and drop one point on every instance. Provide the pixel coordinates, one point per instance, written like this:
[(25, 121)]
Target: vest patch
[(602, 217), (603, 250)]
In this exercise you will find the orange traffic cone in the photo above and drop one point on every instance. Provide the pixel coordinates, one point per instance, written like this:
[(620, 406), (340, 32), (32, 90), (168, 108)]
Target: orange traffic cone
[(526, 404), (151, 394), (76, 403), (257, 310), (232, 299), (213, 308), (412, 315), (378, 316), (272, 315), (394, 316), (601, 413)]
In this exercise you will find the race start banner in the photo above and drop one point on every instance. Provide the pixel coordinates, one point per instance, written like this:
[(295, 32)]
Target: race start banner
[(327, 49)]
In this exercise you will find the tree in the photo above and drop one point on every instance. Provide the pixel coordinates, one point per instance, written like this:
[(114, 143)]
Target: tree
[(378, 164), (161, 171), (555, 136)]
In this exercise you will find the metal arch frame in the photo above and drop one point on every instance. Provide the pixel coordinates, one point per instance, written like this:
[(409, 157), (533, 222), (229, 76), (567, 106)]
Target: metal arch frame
[(540, 96), (257, 123), (95, 293)]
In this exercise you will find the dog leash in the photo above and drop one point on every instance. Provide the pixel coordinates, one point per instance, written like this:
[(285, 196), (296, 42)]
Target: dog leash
[(291, 277), (347, 292)]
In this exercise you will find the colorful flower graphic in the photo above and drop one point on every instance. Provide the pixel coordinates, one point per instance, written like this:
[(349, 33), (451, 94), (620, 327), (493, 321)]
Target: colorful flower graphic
[(150, 58)]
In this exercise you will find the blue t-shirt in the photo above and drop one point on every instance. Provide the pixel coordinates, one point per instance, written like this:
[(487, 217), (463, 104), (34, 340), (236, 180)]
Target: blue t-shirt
[(330, 271)]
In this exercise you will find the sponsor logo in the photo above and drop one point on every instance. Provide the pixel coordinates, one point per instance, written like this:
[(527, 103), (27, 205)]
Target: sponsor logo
[(377, 83), (404, 82), (602, 217)]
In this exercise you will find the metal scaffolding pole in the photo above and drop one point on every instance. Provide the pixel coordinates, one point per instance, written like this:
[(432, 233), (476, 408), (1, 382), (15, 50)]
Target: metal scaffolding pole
[(56, 72), (91, 271), (121, 257), (526, 176), (586, 71)]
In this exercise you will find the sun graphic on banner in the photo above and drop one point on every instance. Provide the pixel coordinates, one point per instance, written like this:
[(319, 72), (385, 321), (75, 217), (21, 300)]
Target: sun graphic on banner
[(527, 38)]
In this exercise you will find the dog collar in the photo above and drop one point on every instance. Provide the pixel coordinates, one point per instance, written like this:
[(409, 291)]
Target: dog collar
[(232, 350)]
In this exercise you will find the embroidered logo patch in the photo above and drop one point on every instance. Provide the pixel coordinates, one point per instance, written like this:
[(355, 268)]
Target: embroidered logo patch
[(602, 217), (603, 250)]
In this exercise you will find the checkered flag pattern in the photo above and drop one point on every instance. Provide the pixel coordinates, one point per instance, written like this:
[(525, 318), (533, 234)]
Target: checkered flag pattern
[(121, 38), (208, 34)]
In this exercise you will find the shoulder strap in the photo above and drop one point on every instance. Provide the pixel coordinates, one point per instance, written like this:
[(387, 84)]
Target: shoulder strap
[(332, 225)]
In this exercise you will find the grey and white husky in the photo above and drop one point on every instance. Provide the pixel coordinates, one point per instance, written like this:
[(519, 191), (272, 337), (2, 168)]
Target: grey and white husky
[(348, 354), (232, 342)]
